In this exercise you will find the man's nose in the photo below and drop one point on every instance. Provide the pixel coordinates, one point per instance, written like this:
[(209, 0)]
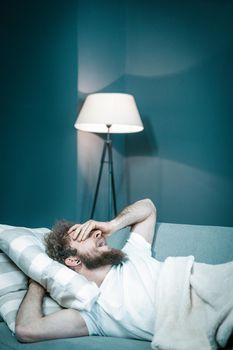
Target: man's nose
[(97, 234)]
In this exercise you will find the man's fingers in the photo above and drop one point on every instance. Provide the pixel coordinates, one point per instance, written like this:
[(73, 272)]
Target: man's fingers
[(89, 231), (86, 230), (81, 232), (73, 228), (77, 234)]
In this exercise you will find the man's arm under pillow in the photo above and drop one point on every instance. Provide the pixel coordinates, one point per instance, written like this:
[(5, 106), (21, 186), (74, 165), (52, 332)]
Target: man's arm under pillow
[(32, 326)]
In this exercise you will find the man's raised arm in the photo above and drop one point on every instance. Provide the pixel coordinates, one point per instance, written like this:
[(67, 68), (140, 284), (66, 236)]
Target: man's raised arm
[(141, 216)]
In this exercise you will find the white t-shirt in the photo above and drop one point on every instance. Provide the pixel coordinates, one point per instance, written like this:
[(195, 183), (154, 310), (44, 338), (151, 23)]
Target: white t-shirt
[(125, 307)]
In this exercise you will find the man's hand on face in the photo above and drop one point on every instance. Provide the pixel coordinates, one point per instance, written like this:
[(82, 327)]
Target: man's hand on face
[(80, 232)]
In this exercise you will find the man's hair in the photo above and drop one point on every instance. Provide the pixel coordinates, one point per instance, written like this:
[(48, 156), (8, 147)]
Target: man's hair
[(58, 242)]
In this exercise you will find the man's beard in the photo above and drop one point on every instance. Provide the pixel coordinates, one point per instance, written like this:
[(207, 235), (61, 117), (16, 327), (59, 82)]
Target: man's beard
[(110, 257)]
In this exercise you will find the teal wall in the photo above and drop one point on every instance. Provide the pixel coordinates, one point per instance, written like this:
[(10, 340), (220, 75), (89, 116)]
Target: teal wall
[(38, 182), (176, 58)]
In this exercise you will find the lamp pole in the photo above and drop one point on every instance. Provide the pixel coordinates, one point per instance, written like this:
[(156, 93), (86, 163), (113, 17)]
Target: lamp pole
[(107, 148)]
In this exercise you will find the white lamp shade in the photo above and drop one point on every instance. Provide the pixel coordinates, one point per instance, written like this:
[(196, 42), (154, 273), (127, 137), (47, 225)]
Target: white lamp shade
[(117, 110)]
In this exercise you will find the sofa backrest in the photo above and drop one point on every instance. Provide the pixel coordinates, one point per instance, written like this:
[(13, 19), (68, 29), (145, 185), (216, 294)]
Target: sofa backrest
[(208, 244)]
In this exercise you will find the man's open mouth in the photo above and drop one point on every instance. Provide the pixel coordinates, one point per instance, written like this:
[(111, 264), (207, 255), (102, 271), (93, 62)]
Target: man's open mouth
[(101, 243)]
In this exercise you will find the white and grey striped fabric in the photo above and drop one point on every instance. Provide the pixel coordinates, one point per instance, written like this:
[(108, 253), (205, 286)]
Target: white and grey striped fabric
[(12, 290), (12, 279), (25, 247)]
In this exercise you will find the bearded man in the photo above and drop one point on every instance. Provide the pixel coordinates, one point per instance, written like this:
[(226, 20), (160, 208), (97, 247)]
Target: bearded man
[(126, 279)]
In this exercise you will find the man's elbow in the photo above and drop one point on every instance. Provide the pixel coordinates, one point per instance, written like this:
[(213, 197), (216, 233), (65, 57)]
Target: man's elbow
[(24, 334), (150, 205)]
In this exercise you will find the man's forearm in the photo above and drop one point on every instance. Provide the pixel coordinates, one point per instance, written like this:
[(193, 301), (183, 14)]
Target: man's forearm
[(139, 212), (30, 310), (133, 214)]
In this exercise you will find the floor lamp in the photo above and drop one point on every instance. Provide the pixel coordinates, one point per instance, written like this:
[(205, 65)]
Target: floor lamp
[(108, 113)]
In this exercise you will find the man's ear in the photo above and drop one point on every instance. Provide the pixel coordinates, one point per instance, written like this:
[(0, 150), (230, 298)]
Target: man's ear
[(73, 261)]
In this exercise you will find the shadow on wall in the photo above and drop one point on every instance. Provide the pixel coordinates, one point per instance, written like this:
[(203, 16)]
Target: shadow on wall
[(143, 143), (191, 115)]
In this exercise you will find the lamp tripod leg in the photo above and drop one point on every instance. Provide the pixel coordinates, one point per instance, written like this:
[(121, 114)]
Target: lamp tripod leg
[(99, 178), (111, 173)]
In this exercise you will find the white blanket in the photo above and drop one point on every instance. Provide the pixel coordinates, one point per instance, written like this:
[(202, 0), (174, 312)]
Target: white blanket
[(193, 305)]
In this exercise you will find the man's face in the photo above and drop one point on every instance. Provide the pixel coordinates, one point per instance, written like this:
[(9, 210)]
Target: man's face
[(94, 251), (94, 245)]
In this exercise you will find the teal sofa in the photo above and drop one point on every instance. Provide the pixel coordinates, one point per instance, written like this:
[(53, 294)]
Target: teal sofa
[(208, 244)]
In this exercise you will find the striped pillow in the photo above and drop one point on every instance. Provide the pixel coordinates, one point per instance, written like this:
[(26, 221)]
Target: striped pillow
[(26, 248), (12, 290), (12, 279), (2, 227)]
